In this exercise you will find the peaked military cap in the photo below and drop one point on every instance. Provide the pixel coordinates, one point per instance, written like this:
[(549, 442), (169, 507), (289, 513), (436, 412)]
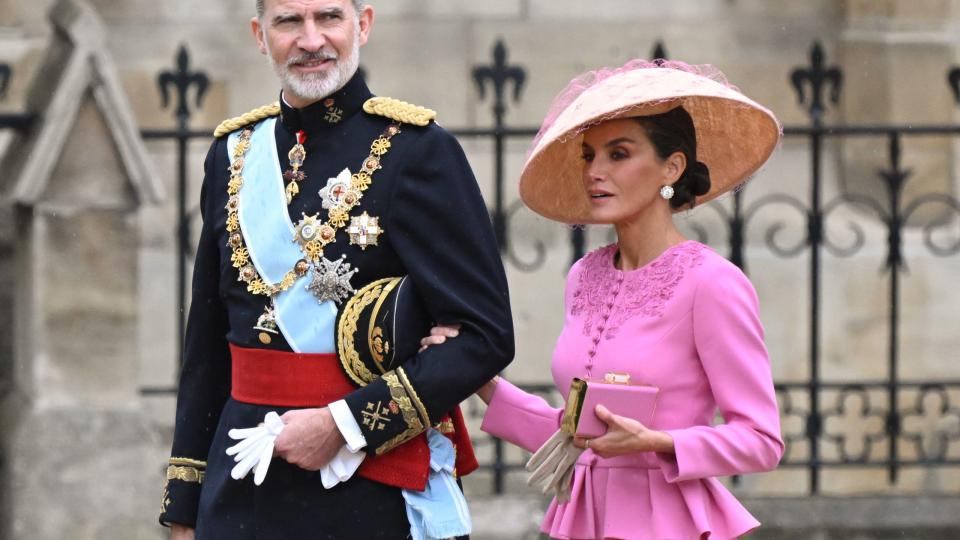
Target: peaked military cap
[(379, 328)]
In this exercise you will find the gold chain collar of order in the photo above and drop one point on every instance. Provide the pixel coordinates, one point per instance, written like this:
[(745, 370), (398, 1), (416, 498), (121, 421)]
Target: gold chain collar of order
[(311, 235)]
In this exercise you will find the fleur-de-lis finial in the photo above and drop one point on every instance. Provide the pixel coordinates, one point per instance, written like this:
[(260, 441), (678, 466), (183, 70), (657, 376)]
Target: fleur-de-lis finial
[(499, 74), (953, 79), (659, 52), (5, 74), (817, 76), (182, 80)]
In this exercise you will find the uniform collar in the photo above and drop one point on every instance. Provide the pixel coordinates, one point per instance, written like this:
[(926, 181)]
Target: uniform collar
[(327, 112)]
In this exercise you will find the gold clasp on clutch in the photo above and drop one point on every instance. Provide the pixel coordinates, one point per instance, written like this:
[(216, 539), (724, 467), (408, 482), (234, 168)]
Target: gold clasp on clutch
[(616, 378), (571, 412)]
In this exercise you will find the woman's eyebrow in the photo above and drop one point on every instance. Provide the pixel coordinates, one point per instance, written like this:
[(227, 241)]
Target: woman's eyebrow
[(619, 140)]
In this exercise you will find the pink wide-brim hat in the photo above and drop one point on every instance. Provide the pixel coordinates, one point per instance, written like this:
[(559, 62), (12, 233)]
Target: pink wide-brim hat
[(735, 135)]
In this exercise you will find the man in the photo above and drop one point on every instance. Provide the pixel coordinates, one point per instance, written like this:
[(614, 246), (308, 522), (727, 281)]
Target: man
[(303, 204)]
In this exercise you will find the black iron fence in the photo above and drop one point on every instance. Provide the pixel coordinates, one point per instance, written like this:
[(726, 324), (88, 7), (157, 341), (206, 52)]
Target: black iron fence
[(885, 411)]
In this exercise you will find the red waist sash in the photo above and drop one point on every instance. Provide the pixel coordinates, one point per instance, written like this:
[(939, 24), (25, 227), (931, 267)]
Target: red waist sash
[(287, 379)]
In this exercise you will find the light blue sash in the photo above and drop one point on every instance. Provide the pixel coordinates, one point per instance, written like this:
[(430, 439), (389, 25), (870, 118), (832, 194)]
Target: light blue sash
[(268, 233), (441, 510)]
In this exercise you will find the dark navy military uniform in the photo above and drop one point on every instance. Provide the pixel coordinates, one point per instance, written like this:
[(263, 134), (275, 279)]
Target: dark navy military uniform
[(436, 230)]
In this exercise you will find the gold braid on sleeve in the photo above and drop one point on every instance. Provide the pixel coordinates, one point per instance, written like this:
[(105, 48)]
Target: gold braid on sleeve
[(247, 118), (400, 395), (400, 111), (186, 469)]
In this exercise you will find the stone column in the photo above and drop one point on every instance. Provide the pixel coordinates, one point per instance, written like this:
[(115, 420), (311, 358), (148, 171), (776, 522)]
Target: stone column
[(79, 459)]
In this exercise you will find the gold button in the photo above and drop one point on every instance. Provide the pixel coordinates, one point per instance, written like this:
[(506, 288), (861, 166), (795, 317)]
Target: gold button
[(265, 338)]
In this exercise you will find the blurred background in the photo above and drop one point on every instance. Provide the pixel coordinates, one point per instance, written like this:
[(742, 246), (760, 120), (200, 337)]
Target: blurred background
[(851, 233)]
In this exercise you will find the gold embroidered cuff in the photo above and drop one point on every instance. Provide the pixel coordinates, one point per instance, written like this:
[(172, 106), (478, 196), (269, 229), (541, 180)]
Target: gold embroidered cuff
[(401, 397), (445, 427), (185, 474), (421, 409), (187, 462)]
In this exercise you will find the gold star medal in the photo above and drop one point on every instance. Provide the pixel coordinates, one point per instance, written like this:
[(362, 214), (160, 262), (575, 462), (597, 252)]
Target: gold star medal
[(331, 280)]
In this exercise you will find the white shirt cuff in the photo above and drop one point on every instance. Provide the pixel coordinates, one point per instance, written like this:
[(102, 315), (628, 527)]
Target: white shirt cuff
[(347, 425)]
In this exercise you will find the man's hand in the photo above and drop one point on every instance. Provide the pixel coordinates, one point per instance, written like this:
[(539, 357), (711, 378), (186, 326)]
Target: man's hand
[(625, 436), (179, 532), (310, 438)]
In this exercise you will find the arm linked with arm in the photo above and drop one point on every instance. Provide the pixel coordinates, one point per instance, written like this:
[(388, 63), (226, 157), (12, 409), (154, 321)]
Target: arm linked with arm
[(439, 227)]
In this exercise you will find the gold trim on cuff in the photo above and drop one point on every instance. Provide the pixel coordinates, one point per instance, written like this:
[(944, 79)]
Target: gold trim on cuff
[(187, 462), (424, 417), (446, 427), (185, 474), (414, 426)]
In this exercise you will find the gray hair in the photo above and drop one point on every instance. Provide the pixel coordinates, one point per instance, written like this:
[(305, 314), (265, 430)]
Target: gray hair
[(357, 6)]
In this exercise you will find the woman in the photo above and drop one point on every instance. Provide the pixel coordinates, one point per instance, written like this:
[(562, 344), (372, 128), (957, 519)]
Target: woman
[(629, 147)]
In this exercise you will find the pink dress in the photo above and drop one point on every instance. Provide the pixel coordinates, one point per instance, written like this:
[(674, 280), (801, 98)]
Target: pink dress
[(686, 322)]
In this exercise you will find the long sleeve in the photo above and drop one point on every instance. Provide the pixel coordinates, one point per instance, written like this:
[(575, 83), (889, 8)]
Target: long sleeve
[(729, 340), (519, 417), (205, 375), (439, 227)]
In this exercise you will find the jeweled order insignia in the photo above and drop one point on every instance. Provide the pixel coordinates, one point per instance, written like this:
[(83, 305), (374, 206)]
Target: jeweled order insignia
[(267, 324), (331, 280), (332, 195), (364, 231)]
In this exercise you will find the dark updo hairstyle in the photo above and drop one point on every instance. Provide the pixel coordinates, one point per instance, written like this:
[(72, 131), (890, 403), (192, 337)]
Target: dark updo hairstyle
[(671, 132)]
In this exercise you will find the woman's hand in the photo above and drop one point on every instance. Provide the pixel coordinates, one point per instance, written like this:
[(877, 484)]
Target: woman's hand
[(486, 391), (179, 532), (439, 334), (625, 436)]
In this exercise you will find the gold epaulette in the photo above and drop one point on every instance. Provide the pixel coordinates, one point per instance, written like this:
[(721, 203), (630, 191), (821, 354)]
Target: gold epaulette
[(247, 118), (400, 111)]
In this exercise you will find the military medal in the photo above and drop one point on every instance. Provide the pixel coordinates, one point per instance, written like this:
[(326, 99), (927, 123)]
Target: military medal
[(364, 231), (267, 324), (331, 280), (333, 194), (297, 155)]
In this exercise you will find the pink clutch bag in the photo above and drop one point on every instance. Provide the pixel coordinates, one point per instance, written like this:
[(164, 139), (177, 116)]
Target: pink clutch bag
[(616, 393)]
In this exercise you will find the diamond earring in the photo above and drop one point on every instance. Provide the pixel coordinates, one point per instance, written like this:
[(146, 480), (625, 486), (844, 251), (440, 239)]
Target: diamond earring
[(666, 192)]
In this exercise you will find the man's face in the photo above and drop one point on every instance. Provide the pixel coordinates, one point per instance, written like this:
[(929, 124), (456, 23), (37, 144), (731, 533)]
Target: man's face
[(313, 45)]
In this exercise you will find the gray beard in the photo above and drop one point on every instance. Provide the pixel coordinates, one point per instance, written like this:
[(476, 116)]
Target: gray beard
[(316, 86)]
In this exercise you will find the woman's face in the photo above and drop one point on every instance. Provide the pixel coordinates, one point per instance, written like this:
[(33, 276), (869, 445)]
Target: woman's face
[(622, 172)]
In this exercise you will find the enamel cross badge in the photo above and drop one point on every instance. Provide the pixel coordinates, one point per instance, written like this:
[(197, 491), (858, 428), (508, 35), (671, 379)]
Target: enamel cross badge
[(364, 231), (332, 195)]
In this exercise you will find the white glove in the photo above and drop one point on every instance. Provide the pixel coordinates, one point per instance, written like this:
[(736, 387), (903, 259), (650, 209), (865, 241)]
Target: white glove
[(341, 467), (552, 466), (255, 448)]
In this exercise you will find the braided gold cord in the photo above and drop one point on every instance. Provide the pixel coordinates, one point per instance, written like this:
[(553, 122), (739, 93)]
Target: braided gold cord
[(400, 111), (245, 119)]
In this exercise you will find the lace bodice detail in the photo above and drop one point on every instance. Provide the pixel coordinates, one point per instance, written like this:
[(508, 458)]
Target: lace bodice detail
[(606, 297)]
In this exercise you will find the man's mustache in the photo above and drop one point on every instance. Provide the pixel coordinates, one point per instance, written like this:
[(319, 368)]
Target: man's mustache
[(311, 57)]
